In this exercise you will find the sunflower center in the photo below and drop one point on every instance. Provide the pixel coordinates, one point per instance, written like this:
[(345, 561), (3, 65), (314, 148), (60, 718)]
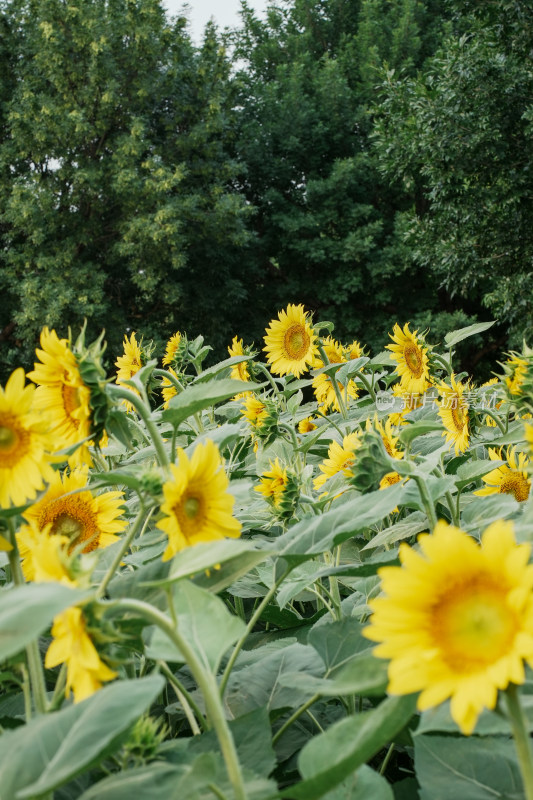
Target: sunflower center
[(514, 483), (459, 415), (67, 526), (473, 627), (14, 442), (296, 341), (413, 359), (190, 512), (72, 516)]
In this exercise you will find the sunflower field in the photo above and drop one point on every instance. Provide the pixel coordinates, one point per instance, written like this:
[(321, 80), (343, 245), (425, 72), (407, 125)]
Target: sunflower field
[(302, 572)]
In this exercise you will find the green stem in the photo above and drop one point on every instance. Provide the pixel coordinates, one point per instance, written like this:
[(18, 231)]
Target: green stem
[(126, 542), (189, 706), (205, 680), (249, 628), (59, 689), (453, 509), (334, 382), (35, 666), (496, 419), (367, 385), (294, 440), (298, 713), (268, 376), (121, 393), (330, 421), (386, 759), (426, 500), (521, 738)]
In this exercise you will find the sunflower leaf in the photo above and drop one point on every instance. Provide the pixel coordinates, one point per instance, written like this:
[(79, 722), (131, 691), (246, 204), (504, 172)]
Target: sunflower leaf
[(200, 396)]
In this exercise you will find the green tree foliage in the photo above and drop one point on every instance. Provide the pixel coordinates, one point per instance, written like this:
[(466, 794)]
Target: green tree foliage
[(326, 223), (115, 184), (460, 137)]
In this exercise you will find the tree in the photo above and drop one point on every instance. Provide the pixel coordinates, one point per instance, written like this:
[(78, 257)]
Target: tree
[(115, 184), (459, 136)]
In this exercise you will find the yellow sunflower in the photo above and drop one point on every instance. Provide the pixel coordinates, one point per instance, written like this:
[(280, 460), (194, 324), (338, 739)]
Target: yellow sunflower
[(168, 389), (198, 506), (517, 371), (128, 365), (238, 371), (254, 410), (72, 510), (453, 410), (323, 384), (410, 355), (456, 619), (341, 458), (171, 350), (307, 425), (24, 444), (290, 342), (353, 350), (409, 402), (273, 483), (44, 557), (511, 478), (63, 396), (72, 645), (390, 441)]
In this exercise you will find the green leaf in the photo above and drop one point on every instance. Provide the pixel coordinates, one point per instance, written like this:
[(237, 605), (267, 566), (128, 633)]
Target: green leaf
[(222, 365), (364, 674), (454, 337), (337, 642), (408, 527), (472, 769), (410, 432), (204, 621), (472, 470), (330, 757), (199, 396), (205, 556), (365, 784), (52, 749), (26, 611), (481, 511)]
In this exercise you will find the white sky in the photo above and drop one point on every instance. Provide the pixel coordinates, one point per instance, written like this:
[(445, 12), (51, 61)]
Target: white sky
[(225, 13)]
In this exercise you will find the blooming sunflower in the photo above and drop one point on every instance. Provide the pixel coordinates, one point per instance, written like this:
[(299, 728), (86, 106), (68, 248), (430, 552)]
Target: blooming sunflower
[(390, 441), (71, 510), (341, 458), (353, 350), (168, 388), (290, 342), (307, 425), (24, 444), (517, 371), (72, 645), (171, 350), (238, 371), (128, 365), (456, 620), (198, 506), (63, 396), (511, 478), (273, 483), (453, 410), (323, 384), (410, 355), (44, 557)]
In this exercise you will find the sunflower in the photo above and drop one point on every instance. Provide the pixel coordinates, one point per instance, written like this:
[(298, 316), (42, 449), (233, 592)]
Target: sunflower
[(129, 365), (24, 444), (44, 557), (456, 620), (410, 355), (307, 425), (408, 402), (198, 506), (353, 350), (171, 350), (290, 342), (390, 441), (516, 368), (71, 510), (273, 483), (453, 410), (323, 384), (63, 396), (72, 646), (238, 371), (168, 388), (341, 458), (511, 478)]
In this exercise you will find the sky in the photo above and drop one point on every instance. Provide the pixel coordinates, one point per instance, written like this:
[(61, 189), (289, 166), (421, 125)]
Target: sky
[(225, 12)]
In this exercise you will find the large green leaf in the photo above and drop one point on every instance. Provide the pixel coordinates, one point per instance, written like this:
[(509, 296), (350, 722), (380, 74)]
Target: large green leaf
[(199, 396), (26, 611), (454, 337), (337, 642), (203, 621), (472, 470), (52, 749), (481, 511), (365, 784), (332, 756), (405, 529), (475, 769), (364, 674)]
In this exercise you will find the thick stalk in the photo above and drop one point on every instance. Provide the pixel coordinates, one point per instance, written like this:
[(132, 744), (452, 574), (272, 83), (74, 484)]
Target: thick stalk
[(426, 500), (205, 680), (121, 393), (521, 738), (495, 418), (334, 382)]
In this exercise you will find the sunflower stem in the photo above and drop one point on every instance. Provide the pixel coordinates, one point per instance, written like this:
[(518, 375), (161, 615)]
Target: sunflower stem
[(298, 713), (367, 385), (427, 502), (333, 379), (35, 666), (126, 542), (269, 377), (521, 738), (495, 419), (121, 393), (205, 680), (189, 706)]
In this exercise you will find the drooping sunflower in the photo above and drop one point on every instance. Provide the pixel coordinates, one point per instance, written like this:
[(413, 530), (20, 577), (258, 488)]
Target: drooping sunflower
[(273, 483), (70, 509), (290, 342), (323, 384), (238, 371), (511, 478), (411, 357), (516, 369), (128, 364), (72, 645), (24, 444), (44, 557), (341, 458), (456, 619), (453, 410), (390, 441), (198, 507), (63, 396), (172, 349), (307, 425)]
